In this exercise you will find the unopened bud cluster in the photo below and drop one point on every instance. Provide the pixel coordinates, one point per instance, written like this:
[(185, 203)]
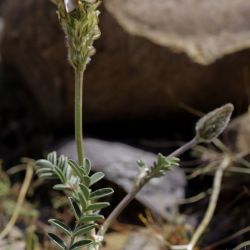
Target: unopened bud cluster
[(79, 20), (213, 124)]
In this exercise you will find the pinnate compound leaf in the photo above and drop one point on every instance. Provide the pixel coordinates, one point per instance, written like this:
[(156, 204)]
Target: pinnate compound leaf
[(80, 243), (83, 229), (61, 226), (100, 193), (96, 177), (58, 241)]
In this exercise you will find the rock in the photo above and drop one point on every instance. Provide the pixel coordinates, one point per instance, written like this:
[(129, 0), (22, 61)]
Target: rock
[(204, 30), (118, 162), (144, 240), (15, 240), (147, 58), (18, 245)]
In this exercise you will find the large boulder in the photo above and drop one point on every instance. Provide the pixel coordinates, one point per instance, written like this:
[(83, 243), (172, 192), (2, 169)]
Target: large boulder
[(153, 56), (204, 30)]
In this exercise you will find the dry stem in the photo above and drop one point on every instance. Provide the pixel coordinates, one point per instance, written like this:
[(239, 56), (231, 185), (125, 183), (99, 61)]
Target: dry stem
[(20, 200), (211, 207)]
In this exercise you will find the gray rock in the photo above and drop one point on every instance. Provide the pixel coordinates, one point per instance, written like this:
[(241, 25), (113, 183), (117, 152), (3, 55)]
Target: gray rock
[(204, 30), (144, 240), (118, 162)]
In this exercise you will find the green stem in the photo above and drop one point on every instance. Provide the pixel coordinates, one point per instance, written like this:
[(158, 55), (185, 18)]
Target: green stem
[(78, 114)]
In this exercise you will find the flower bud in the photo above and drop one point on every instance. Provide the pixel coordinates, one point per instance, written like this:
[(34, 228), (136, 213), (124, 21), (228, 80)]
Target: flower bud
[(213, 124)]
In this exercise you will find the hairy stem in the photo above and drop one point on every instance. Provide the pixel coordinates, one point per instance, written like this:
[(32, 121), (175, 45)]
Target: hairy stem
[(117, 211), (79, 122), (183, 148), (131, 195), (78, 115)]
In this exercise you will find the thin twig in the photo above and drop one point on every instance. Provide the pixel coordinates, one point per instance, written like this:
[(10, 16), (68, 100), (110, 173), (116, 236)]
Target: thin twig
[(202, 170), (242, 245), (117, 211), (229, 238), (183, 148), (212, 203), (196, 198), (211, 207), (20, 200)]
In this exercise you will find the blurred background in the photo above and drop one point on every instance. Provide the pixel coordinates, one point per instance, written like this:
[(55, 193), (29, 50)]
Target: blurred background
[(159, 66), (154, 61)]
